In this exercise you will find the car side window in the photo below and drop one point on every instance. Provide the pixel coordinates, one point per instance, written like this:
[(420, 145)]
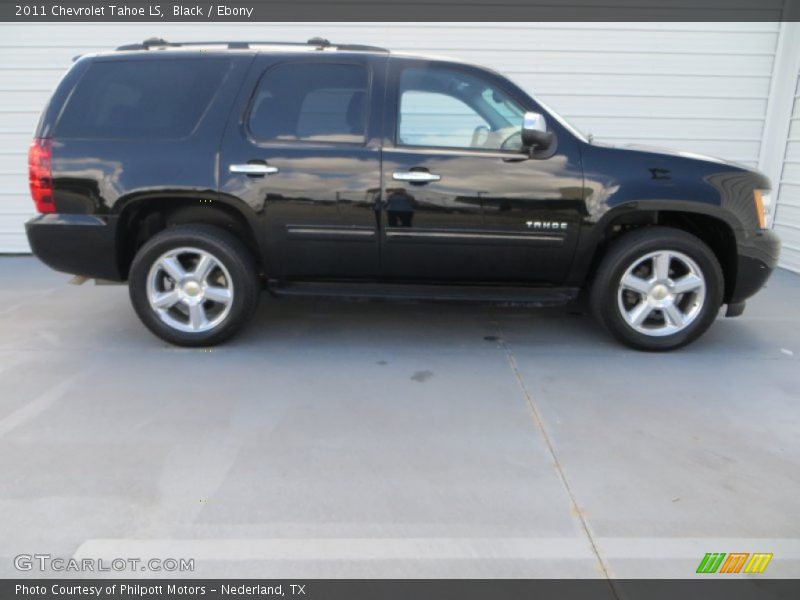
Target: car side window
[(127, 99), (433, 119), (448, 108), (311, 102)]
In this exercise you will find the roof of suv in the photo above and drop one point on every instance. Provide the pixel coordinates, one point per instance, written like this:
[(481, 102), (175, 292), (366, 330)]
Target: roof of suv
[(314, 44)]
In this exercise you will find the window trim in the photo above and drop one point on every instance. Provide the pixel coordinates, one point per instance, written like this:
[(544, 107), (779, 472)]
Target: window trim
[(275, 143), (396, 74)]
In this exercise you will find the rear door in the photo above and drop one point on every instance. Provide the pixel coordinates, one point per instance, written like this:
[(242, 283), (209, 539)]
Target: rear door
[(303, 150)]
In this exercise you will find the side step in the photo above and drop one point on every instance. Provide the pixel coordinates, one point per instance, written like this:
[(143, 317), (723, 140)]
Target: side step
[(535, 296)]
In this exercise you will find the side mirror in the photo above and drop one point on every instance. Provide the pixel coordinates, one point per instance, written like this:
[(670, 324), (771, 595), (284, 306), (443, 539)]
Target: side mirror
[(534, 132)]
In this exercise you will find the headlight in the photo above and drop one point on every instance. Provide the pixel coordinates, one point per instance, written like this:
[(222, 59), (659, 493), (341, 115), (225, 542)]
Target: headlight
[(763, 200)]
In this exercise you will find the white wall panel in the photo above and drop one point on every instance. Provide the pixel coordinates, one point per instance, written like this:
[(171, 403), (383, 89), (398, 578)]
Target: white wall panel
[(787, 212), (701, 87)]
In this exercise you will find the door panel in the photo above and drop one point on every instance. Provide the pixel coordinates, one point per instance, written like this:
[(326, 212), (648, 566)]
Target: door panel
[(489, 212), (486, 219), (313, 124)]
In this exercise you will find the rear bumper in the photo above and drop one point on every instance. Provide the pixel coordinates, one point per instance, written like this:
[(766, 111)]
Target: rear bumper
[(77, 244), (758, 254)]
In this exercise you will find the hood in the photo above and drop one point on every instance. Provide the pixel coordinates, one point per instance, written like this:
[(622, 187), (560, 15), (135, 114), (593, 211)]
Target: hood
[(678, 153)]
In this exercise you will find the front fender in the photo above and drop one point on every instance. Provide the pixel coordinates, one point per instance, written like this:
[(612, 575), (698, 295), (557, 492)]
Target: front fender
[(621, 182)]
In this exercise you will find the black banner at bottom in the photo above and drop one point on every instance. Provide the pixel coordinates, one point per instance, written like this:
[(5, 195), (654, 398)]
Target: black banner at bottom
[(404, 589)]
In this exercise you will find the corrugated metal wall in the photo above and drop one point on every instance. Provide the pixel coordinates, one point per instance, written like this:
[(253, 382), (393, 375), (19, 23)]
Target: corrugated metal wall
[(787, 214), (701, 87)]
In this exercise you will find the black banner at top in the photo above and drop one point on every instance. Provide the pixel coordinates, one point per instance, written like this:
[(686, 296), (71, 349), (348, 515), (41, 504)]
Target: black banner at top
[(398, 10)]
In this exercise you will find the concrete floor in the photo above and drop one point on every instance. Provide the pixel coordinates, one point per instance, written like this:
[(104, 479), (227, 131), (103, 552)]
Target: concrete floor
[(394, 440)]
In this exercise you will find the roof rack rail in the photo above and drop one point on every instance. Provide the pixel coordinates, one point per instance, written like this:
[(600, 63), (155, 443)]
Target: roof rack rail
[(318, 42)]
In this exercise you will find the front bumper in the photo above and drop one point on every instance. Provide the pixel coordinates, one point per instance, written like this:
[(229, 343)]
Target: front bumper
[(76, 244), (758, 254)]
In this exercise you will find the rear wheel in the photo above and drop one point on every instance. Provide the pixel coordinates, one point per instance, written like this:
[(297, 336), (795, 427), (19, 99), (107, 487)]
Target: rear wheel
[(657, 288), (194, 285)]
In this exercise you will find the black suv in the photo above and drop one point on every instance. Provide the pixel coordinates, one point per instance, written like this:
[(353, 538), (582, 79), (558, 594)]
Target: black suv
[(203, 172)]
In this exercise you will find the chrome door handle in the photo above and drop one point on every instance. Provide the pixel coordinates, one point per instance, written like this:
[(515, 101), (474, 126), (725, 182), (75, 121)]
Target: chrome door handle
[(415, 176), (253, 169)]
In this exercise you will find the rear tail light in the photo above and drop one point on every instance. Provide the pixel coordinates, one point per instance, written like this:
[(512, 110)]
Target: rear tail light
[(39, 174)]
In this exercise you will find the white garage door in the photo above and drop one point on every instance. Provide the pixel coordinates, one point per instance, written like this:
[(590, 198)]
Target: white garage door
[(787, 214), (701, 87)]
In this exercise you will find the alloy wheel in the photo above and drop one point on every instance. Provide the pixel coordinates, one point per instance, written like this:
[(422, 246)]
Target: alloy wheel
[(190, 290), (661, 293)]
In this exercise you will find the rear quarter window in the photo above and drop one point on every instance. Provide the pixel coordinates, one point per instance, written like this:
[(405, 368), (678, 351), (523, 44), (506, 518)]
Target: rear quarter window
[(136, 99)]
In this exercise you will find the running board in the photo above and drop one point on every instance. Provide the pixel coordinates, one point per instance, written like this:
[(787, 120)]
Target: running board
[(536, 296)]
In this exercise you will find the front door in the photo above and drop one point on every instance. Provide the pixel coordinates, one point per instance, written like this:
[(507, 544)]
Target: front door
[(462, 201), (305, 154)]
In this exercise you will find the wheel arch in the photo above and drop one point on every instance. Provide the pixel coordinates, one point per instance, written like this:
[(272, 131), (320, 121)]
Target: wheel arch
[(714, 226), (142, 217)]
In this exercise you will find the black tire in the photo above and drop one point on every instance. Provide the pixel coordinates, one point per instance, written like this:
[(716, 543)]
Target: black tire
[(230, 254), (604, 294)]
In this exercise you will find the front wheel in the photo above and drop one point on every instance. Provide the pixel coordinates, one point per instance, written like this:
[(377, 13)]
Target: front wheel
[(194, 285), (657, 288)]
